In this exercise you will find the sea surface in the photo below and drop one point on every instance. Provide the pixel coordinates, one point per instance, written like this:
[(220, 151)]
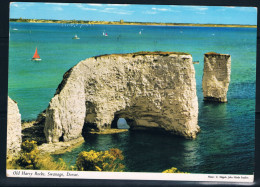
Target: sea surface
[(225, 144)]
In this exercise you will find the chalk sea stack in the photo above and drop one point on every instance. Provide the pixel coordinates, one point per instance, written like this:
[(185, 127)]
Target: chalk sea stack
[(151, 90), (216, 76), (14, 128)]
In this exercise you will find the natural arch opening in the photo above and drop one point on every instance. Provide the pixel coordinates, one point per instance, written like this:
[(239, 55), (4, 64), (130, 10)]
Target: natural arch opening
[(121, 121), (122, 124), (61, 139), (87, 127)]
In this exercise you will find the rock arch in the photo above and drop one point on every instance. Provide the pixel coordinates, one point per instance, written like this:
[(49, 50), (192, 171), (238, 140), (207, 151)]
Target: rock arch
[(148, 89)]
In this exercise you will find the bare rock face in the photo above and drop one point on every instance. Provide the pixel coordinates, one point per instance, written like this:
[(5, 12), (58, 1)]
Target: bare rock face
[(216, 76), (14, 129), (151, 90)]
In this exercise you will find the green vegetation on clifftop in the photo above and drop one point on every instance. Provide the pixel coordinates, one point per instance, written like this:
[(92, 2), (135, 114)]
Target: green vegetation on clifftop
[(126, 23)]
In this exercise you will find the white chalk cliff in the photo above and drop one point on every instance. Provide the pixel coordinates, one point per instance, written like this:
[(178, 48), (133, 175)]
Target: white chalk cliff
[(14, 128), (151, 90), (216, 76)]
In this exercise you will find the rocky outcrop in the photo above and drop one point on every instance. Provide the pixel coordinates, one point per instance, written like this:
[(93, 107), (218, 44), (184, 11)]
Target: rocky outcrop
[(216, 76), (60, 147), (14, 129), (151, 90)]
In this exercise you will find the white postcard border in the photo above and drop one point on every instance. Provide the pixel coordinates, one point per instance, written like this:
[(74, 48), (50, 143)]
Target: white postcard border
[(130, 176)]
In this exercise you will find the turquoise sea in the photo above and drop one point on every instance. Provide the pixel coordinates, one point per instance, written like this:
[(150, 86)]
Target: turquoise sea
[(226, 142)]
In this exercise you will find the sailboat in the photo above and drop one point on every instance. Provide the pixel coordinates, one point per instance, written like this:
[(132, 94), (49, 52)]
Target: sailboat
[(75, 37), (36, 56)]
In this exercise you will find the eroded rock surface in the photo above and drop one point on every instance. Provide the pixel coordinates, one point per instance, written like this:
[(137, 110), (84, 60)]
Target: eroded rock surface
[(14, 129), (216, 76), (149, 89)]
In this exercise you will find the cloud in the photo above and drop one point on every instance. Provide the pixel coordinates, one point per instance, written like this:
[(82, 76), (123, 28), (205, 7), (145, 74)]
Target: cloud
[(14, 5), (57, 8), (85, 8), (117, 4), (242, 9), (199, 8), (58, 4), (247, 9), (19, 5), (161, 9), (116, 11), (109, 9), (93, 4), (193, 8), (226, 8), (179, 8)]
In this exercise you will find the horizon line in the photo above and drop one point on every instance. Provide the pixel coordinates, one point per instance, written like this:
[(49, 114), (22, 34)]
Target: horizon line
[(130, 21)]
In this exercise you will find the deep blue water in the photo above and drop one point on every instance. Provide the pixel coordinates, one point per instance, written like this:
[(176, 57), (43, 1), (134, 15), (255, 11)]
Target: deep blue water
[(226, 141)]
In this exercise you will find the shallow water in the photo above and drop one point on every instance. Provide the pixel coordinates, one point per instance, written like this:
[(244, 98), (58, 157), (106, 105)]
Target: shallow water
[(226, 141)]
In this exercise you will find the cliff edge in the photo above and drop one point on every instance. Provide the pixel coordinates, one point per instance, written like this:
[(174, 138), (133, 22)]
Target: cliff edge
[(14, 128)]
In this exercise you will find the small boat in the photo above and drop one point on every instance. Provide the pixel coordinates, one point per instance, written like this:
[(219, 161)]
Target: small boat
[(14, 29), (36, 56), (140, 32), (195, 62), (106, 34), (75, 37)]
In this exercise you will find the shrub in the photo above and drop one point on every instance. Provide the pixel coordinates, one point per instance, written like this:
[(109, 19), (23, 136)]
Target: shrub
[(29, 155), (28, 146), (172, 170), (100, 161), (30, 158), (11, 163), (87, 161)]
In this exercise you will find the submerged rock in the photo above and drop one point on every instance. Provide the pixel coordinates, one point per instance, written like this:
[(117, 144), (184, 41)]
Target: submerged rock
[(151, 90), (216, 76), (14, 128)]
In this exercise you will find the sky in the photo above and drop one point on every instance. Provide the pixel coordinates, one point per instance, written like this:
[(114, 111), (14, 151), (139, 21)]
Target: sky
[(135, 13)]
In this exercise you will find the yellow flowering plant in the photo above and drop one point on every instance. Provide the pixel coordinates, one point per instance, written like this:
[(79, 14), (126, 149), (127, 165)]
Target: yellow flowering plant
[(30, 158), (29, 155), (172, 170), (100, 161)]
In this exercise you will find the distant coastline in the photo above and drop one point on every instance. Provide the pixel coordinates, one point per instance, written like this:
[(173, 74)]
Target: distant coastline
[(121, 22)]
